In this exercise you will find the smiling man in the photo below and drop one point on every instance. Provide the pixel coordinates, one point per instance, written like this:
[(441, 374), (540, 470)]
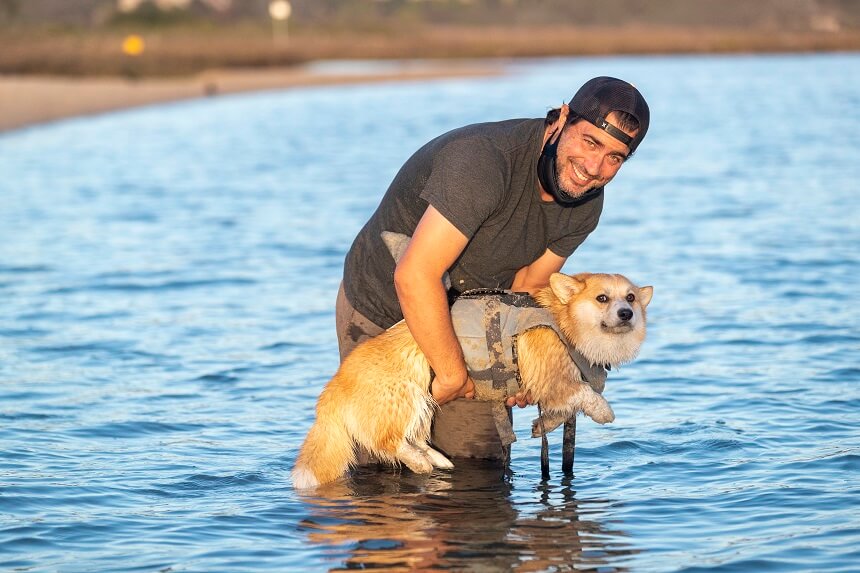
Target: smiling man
[(494, 205)]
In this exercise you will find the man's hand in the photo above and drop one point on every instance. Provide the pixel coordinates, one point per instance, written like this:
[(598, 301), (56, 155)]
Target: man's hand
[(521, 400), (446, 390)]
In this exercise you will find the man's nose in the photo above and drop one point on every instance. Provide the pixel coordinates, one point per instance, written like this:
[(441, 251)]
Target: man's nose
[(592, 164), (625, 314)]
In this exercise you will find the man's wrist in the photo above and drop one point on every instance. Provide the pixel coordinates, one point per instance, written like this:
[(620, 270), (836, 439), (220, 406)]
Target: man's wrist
[(450, 383)]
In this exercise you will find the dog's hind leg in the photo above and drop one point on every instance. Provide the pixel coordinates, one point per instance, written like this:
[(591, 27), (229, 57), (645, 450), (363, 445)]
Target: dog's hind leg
[(414, 458), (436, 458)]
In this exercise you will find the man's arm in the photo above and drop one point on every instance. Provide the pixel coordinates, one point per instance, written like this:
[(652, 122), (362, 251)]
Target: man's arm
[(536, 276), (529, 279), (435, 245)]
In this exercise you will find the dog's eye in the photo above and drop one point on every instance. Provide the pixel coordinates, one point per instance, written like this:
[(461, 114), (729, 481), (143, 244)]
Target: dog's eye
[(602, 298), (630, 297)]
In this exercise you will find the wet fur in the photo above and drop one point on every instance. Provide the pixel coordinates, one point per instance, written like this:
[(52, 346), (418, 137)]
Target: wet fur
[(379, 401)]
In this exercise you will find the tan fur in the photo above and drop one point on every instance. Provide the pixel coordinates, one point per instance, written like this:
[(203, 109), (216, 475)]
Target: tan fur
[(378, 400)]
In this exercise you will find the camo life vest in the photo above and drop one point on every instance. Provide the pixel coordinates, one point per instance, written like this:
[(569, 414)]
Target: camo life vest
[(487, 323)]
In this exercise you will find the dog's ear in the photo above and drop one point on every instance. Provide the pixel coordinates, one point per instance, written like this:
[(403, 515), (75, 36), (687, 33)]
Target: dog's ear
[(565, 286), (645, 294)]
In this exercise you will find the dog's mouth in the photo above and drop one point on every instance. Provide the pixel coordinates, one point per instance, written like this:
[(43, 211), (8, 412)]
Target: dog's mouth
[(622, 327)]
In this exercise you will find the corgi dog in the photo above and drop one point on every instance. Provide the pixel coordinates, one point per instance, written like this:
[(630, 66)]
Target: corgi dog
[(379, 398)]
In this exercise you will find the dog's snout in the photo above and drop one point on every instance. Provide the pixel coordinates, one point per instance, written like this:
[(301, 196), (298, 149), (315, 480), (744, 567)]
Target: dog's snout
[(625, 314)]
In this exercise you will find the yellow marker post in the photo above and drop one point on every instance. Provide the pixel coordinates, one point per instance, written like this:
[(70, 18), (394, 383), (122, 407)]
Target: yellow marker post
[(132, 48)]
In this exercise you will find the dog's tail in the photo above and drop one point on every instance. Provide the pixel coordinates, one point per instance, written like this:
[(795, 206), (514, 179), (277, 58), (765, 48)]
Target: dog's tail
[(327, 453)]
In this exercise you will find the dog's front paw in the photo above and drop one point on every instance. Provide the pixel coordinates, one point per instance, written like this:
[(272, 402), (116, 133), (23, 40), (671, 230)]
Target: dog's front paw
[(550, 423), (601, 412)]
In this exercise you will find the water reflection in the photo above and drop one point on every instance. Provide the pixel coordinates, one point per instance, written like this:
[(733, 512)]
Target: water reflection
[(466, 519)]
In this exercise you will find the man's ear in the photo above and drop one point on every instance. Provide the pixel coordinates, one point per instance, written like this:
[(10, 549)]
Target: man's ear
[(564, 111), (645, 294), (556, 127), (565, 286)]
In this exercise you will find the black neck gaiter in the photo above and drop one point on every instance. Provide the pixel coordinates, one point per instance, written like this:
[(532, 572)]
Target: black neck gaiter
[(548, 176)]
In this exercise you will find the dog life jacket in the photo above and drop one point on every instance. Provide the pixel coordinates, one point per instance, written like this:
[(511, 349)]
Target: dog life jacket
[(487, 323)]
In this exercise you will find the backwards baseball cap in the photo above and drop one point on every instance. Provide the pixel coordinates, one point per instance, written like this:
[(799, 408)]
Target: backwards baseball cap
[(600, 96)]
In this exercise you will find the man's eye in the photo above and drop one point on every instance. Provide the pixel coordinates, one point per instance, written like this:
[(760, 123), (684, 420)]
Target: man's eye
[(589, 143), (630, 297), (602, 298)]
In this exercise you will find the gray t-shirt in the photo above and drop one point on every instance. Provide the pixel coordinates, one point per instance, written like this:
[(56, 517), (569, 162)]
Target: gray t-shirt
[(483, 179)]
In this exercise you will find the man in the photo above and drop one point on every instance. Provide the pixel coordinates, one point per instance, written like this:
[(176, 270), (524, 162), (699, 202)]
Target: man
[(495, 205)]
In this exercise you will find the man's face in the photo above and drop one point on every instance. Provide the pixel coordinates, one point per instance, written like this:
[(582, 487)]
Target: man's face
[(588, 157)]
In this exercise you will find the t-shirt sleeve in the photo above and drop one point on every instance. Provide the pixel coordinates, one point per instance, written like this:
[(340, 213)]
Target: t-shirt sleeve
[(467, 183), (582, 225)]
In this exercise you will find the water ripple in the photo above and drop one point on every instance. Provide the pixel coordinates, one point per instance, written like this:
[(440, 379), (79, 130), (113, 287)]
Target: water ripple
[(132, 429), (164, 286)]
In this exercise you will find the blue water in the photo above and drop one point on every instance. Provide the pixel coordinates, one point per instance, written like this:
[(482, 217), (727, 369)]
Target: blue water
[(168, 277)]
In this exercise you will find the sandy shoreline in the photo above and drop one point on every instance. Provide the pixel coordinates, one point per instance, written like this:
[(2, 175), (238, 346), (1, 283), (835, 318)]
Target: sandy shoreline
[(29, 100)]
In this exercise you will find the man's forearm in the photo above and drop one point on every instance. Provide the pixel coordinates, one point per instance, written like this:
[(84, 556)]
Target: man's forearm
[(424, 303), (535, 276)]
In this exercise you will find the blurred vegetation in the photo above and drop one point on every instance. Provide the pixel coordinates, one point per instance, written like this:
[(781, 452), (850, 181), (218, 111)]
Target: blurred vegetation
[(83, 37)]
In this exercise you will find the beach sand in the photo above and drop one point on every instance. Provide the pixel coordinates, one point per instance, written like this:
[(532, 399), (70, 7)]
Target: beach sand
[(30, 100)]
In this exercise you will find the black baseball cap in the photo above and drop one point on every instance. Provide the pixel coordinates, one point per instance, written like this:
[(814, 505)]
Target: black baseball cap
[(600, 96)]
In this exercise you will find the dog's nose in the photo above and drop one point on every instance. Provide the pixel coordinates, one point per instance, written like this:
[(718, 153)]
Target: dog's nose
[(625, 314)]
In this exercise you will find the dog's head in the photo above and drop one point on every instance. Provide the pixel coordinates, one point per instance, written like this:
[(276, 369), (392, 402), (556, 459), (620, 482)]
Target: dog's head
[(602, 315)]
